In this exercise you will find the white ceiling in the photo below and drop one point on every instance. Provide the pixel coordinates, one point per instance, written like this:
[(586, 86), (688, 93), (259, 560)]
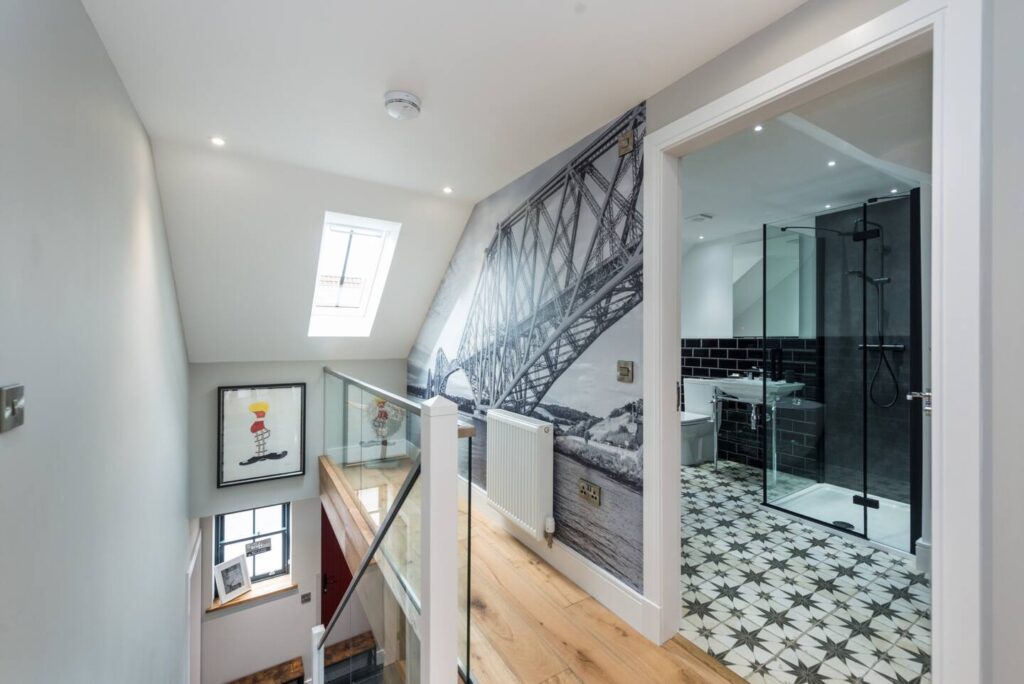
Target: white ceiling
[(877, 130), (505, 84), (244, 235)]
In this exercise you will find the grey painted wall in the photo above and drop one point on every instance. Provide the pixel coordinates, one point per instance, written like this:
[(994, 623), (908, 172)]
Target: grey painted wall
[(93, 486), (807, 27), (204, 379), (1004, 541)]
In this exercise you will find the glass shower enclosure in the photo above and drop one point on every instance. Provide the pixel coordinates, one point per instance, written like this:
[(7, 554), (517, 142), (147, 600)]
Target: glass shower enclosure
[(841, 334)]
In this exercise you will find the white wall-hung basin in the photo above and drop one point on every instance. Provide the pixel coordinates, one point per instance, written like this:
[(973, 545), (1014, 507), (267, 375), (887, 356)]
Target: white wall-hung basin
[(754, 390)]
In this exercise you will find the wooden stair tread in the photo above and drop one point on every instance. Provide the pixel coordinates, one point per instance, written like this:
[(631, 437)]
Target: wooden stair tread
[(343, 650), (288, 672)]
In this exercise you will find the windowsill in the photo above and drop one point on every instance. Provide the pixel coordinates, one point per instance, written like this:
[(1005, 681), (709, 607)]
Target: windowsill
[(260, 590)]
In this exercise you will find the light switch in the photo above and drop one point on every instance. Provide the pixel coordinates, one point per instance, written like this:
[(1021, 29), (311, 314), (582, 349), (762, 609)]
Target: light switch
[(625, 371), (12, 405)]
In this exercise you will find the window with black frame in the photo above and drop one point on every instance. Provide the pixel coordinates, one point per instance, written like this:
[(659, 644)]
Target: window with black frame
[(261, 535)]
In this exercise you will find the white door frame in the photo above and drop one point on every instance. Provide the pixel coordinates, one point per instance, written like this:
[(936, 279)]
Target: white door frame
[(955, 28)]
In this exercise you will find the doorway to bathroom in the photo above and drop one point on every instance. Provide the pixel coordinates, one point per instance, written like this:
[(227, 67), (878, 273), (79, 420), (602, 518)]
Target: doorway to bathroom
[(803, 308), (803, 302)]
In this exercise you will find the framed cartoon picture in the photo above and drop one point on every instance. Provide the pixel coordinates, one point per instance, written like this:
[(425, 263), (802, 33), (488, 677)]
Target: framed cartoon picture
[(231, 578), (262, 433)]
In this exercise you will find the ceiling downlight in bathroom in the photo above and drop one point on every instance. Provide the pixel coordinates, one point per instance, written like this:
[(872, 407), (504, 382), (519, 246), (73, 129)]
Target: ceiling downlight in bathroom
[(355, 257)]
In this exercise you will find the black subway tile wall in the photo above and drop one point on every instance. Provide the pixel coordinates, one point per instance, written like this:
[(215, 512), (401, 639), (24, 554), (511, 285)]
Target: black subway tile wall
[(799, 430)]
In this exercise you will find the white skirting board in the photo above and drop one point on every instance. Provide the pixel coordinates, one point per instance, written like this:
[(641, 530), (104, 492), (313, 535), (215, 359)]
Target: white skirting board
[(611, 592)]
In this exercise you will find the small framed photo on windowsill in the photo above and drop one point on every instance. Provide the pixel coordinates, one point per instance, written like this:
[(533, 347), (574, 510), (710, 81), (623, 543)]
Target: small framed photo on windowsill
[(261, 433), (232, 579)]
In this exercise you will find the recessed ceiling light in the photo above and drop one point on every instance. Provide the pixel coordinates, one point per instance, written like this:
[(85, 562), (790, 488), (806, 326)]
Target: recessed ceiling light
[(447, 190), (894, 191), (218, 141), (828, 206), (758, 128), (831, 162), (700, 237)]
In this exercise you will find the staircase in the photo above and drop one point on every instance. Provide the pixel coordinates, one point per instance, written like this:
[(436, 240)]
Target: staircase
[(389, 489)]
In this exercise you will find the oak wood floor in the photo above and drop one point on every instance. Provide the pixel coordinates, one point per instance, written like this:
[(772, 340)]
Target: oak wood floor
[(532, 625)]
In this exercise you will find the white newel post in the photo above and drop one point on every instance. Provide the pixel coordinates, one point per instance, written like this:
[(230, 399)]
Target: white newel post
[(439, 546), (316, 658)]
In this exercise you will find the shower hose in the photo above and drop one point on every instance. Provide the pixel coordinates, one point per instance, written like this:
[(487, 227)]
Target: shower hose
[(883, 360)]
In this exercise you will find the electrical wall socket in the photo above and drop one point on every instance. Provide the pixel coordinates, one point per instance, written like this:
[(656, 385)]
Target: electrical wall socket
[(590, 492)]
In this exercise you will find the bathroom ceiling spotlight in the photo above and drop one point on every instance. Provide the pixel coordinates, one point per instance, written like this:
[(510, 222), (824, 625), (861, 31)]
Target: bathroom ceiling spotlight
[(828, 206), (700, 237), (401, 104), (758, 128), (831, 162), (447, 189), (894, 191), (218, 141)]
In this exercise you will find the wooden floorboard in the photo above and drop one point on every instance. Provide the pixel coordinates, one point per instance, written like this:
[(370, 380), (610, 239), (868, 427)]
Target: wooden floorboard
[(529, 623), (527, 619)]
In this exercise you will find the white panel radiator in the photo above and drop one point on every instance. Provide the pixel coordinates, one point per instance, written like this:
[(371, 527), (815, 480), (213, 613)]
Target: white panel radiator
[(520, 469)]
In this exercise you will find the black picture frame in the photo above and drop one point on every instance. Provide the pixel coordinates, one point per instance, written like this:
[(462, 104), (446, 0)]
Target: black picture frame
[(223, 393)]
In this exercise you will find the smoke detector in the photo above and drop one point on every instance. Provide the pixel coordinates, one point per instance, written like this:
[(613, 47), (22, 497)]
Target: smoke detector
[(699, 218), (401, 104)]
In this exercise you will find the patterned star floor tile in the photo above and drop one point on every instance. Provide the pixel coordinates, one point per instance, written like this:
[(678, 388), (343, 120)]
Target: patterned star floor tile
[(781, 602)]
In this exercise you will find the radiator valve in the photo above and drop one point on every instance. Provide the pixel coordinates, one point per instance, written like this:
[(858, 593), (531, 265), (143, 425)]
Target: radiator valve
[(549, 530)]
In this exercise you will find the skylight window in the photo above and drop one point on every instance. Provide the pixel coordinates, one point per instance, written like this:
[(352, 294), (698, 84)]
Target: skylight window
[(355, 257)]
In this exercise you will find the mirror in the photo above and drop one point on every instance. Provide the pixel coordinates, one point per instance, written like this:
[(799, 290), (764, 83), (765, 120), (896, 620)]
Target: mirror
[(788, 292)]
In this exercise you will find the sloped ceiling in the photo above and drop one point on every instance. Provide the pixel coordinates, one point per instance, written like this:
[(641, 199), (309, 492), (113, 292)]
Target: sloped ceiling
[(505, 84), (297, 88), (245, 234)]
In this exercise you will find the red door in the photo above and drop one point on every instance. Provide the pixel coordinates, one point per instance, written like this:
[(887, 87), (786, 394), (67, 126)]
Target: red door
[(334, 573)]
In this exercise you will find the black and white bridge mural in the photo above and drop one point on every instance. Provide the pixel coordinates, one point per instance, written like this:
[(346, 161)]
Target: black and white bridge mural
[(561, 269)]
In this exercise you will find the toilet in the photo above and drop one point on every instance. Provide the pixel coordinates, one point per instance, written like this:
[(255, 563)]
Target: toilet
[(697, 422)]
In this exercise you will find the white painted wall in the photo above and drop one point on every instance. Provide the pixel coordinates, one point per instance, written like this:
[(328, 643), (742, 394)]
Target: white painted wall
[(243, 640), (204, 379), (1003, 554), (245, 237), (707, 290), (93, 585)]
